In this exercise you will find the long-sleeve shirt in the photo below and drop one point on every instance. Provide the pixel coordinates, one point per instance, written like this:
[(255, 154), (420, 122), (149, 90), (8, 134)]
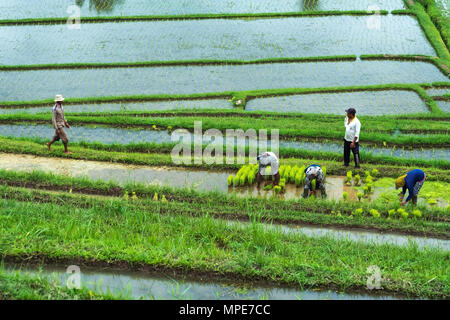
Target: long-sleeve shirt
[(352, 129), (411, 179), (269, 158), (58, 119)]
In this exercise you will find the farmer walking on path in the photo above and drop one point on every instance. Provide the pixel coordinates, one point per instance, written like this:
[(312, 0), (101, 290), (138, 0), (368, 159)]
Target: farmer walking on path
[(413, 181), (351, 139), (268, 159), (314, 171), (59, 121)]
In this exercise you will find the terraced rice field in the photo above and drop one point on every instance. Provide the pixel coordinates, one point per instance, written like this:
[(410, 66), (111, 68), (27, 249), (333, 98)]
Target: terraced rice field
[(136, 73)]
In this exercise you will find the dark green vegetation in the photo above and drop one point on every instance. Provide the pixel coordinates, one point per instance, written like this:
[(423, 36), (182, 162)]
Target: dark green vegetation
[(205, 245), (196, 204)]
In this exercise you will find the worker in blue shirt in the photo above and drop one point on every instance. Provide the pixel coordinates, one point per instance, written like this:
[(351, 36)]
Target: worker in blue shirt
[(413, 181)]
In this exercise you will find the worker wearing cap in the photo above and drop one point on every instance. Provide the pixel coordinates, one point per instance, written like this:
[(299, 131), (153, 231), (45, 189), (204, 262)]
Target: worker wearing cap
[(413, 181), (312, 172), (351, 139), (59, 122), (268, 159)]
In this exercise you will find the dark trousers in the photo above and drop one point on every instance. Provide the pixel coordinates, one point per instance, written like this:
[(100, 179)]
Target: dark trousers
[(355, 151)]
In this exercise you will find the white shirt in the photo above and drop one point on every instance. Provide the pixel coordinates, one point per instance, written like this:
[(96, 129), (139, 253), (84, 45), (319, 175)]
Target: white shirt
[(352, 129), (268, 158)]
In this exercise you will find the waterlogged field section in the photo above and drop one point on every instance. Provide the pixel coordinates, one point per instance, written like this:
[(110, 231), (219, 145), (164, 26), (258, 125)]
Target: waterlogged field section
[(108, 135), (29, 85), (368, 102), (20, 9), (211, 39), (141, 106), (444, 105)]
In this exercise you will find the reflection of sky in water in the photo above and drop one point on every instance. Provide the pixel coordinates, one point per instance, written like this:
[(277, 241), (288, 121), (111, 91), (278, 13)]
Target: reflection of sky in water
[(215, 39), (18, 9), (160, 287), (365, 102), (29, 85), (122, 107), (444, 105), (108, 135)]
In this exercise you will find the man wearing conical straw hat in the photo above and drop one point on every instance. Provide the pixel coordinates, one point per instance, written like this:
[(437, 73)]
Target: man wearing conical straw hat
[(59, 122)]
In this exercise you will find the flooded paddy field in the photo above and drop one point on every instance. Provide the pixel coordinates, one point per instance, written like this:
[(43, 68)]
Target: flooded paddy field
[(111, 135), (371, 103), (444, 105), (21, 9), (211, 40), (218, 104), (141, 285), (197, 179), (28, 85)]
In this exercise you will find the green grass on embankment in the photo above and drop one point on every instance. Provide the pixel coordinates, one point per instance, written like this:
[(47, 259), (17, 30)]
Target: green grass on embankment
[(433, 223), (22, 286), (159, 155), (204, 62), (431, 30), (208, 246), (267, 15), (377, 130)]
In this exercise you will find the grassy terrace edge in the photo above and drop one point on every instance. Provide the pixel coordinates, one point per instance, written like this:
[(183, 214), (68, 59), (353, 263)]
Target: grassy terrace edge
[(80, 192), (159, 155), (169, 63), (242, 95), (32, 21), (226, 251)]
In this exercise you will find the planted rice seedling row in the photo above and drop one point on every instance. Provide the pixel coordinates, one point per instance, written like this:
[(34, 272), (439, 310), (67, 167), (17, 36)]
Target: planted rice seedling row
[(27, 85), (117, 136), (21, 9)]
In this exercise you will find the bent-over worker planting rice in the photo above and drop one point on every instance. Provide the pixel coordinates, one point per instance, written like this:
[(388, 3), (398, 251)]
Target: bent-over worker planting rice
[(413, 181), (268, 159)]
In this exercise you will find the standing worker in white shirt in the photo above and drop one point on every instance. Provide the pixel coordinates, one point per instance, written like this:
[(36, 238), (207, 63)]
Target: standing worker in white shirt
[(351, 139)]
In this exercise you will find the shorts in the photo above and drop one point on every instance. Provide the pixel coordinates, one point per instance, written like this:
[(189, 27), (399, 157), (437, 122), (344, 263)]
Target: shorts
[(61, 136)]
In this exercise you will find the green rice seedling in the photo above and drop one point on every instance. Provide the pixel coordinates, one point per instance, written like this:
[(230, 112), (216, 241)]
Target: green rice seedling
[(375, 173), (251, 179), (287, 173), (369, 187), (236, 181), (345, 195), (417, 213), (277, 189), (292, 174), (230, 180), (282, 170), (268, 187), (313, 184), (369, 179), (374, 213), (164, 199), (357, 179), (298, 179), (366, 190), (367, 173), (432, 202), (358, 212), (134, 196), (349, 178), (359, 195), (324, 170), (242, 180), (402, 213), (391, 213), (155, 197)]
